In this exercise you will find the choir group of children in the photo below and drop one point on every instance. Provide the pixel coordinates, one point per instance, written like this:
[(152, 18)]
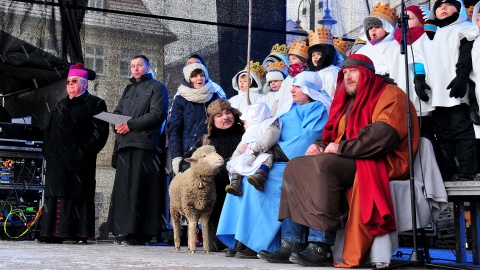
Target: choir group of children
[(441, 72)]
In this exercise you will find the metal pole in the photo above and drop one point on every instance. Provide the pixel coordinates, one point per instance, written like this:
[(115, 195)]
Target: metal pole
[(312, 15), (249, 41)]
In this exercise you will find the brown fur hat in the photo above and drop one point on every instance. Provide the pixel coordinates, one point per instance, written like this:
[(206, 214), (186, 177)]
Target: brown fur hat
[(218, 106)]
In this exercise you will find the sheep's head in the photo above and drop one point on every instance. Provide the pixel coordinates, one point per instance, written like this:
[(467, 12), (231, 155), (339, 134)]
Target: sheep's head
[(205, 160)]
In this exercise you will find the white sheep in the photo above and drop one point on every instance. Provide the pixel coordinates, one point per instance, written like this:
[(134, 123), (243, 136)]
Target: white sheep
[(192, 194)]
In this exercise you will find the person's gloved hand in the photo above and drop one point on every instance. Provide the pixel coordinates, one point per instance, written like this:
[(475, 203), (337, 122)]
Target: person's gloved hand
[(458, 86), (474, 113), (176, 164), (421, 86)]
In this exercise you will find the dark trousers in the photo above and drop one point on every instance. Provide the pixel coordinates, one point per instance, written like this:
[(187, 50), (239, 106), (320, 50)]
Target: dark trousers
[(456, 140)]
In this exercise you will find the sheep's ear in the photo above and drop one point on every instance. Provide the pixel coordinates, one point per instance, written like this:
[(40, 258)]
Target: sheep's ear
[(191, 160)]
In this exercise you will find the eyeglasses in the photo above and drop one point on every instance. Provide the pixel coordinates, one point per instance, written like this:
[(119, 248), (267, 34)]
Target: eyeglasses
[(74, 81)]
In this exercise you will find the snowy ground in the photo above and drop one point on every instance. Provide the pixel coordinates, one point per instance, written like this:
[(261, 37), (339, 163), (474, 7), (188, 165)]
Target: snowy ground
[(106, 255)]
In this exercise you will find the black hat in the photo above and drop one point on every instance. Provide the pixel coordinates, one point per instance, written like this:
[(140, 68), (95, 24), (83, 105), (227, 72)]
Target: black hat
[(456, 3), (197, 56)]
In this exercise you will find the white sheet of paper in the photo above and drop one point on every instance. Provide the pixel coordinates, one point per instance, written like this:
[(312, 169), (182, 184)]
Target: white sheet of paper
[(116, 119)]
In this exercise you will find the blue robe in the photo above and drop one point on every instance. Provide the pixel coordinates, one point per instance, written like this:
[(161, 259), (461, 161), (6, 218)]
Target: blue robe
[(253, 218)]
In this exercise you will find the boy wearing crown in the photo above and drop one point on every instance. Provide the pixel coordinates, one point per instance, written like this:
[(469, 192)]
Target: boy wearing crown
[(297, 55), (448, 66), (378, 30), (241, 82), (322, 57), (278, 53)]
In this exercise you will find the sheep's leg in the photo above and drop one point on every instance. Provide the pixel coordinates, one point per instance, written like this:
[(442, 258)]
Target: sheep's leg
[(176, 228), (192, 233), (206, 243)]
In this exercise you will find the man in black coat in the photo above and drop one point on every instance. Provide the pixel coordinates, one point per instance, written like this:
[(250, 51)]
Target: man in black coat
[(138, 195), (72, 140)]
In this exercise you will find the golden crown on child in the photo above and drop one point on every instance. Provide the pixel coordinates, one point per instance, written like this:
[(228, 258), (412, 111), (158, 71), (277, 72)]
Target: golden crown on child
[(280, 65), (299, 48), (257, 69), (341, 45), (358, 40), (385, 12), (280, 49), (321, 36)]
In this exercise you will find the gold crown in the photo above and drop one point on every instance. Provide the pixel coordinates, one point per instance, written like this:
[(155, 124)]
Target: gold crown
[(299, 48), (341, 46), (280, 49), (257, 69), (280, 65), (385, 12), (321, 36), (359, 41), (469, 12)]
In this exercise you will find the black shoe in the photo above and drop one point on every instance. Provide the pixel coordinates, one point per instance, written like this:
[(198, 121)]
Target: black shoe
[(247, 253), (282, 254), (463, 177), (133, 240), (239, 246), (316, 254)]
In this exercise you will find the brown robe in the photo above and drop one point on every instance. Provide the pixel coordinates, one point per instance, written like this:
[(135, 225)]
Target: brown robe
[(314, 186)]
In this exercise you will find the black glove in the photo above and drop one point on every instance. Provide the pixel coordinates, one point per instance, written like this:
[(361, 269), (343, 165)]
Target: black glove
[(463, 67), (458, 86), (421, 86), (474, 113)]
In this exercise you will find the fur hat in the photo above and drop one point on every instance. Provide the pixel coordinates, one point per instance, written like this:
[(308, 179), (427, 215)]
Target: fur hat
[(219, 105), (438, 3), (188, 69), (78, 70)]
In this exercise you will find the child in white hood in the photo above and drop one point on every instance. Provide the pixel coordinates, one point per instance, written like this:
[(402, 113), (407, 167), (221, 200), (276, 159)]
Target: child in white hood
[(241, 82)]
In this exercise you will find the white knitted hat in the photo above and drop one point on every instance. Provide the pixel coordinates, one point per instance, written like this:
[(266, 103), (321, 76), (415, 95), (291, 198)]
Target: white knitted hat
[(188, 69)]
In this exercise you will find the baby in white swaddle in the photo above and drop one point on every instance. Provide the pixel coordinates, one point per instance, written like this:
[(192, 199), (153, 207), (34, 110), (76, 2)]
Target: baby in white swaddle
[(251, 157)]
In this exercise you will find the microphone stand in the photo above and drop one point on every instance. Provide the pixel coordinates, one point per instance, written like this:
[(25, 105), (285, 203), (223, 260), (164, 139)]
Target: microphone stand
[(416, 257)]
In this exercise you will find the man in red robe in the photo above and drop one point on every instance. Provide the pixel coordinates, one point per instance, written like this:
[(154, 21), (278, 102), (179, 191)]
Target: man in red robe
[(364, 144)]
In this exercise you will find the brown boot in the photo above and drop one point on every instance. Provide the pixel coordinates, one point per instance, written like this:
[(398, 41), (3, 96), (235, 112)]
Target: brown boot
[(258, 179), (235, 187)]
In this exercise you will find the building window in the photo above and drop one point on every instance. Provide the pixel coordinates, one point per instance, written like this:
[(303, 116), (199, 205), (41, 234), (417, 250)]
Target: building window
[(95, 58), (125, 58), (96, 3)]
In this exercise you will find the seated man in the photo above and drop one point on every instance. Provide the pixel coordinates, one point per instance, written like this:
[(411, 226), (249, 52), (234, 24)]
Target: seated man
[(365, 144)]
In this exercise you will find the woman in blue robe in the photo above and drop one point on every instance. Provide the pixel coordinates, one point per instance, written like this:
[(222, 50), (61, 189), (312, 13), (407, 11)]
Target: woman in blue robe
[(252, 219)]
